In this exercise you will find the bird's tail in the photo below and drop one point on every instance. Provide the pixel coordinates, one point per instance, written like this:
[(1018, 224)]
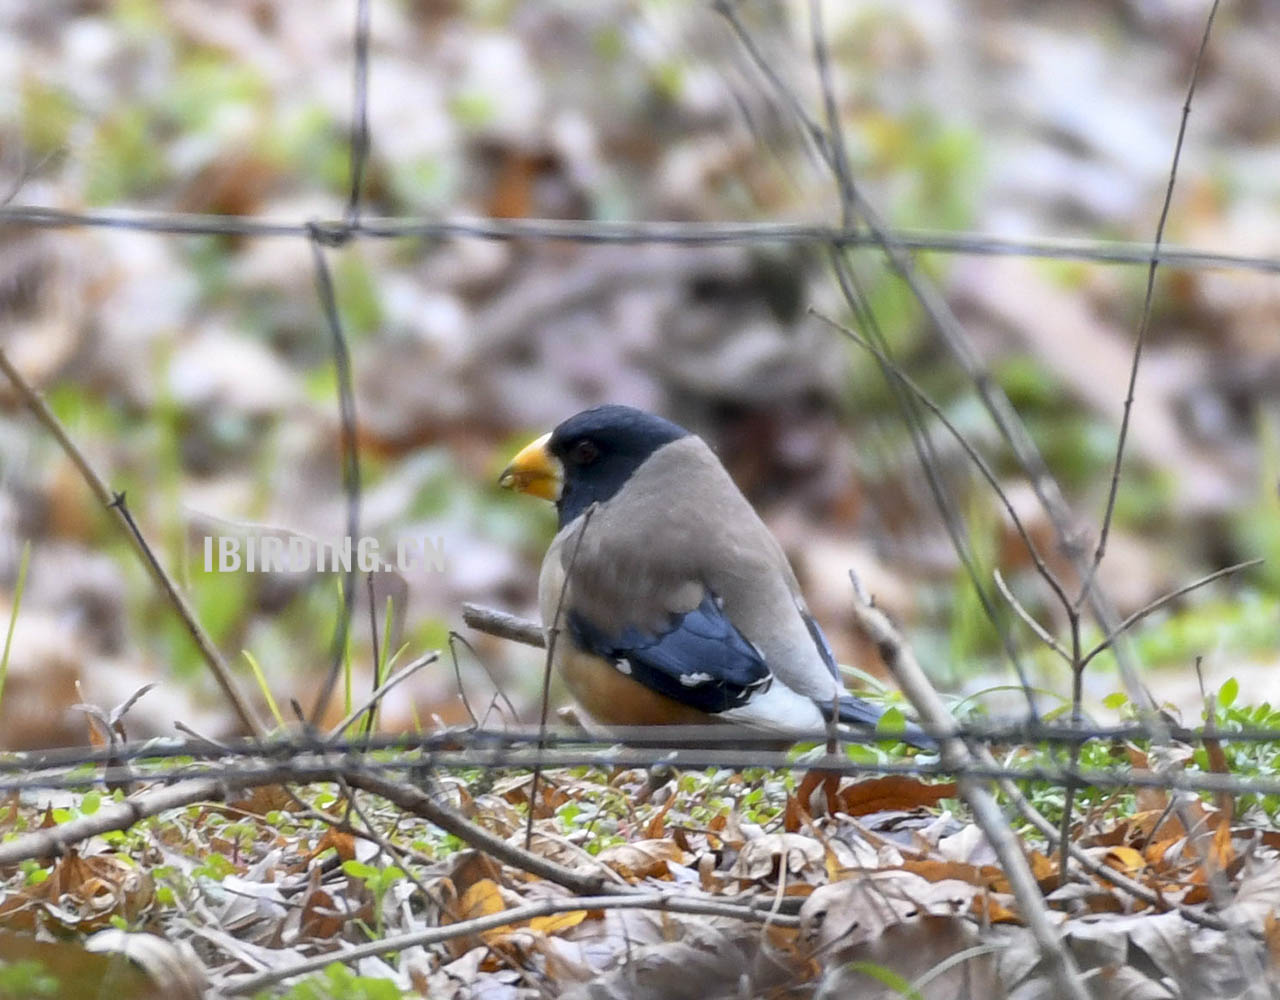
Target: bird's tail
[(856, 712)]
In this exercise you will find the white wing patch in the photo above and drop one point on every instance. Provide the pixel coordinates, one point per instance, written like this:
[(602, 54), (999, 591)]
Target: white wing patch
[(778, 709), (695, 680)]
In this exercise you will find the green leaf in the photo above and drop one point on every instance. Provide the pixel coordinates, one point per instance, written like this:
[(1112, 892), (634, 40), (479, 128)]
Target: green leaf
[(1116, 700), (886, 977), (358, 869), (1227, 693), (892, 722)]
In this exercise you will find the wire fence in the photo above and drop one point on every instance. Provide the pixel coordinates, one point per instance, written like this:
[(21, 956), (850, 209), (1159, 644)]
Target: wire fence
[(394, 766), (676, 747), (307, 756), (334, 232), (353, 225)]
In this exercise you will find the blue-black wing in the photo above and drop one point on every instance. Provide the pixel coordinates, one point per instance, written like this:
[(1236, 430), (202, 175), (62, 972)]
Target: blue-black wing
[(700, 659)]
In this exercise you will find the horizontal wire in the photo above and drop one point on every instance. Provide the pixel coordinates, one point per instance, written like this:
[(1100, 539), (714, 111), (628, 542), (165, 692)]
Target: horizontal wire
[(318, 767), (657, 738), (336, 232), (660, 740)]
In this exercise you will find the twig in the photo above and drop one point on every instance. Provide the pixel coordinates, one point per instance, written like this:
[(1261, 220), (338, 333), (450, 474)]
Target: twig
[(115, 502), (403, 674), (830, 147), (1173, 595), (53, 841), (1145, 322), (498, 692), (504, 626), (1041, 632), (414, 800), (953, 335), (1033, 551), (986, 813), (457, 679), (669, 902), (1094, 866), (384, 844), (375, 658), (553, 633)]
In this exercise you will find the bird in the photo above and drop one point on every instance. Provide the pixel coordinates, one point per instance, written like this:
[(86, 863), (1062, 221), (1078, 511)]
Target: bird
[(666, 599)]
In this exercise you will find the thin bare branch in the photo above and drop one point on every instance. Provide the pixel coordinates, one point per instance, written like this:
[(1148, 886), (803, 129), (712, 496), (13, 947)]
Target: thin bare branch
[(1093, 865), (900, 660), (403, 674), (669, 902), (116, 502), (1033, 551), (1145, 322), (1041, 632), (504, 626), (553, 634), (1160, 602)]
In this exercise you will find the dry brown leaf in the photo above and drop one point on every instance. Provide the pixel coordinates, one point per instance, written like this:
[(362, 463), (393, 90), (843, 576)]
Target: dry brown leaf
[(1151, 800), (688, 960), (1044, 868), (516, 791), (644, 858), (321, 917), (1155, 853), (1225, 802), (893, 792), (1125, 859), (172, 966), (657, 824), (1271, 935), (342, 842), (989, 910), (913, 949), (795, 817), (814, 781), (482, 899), (265, 799), (765, 857), (556, 922), (82, 973), (469, 867), (984, 876), (87, 892), (497, 815), (844, 914), (561, 850)]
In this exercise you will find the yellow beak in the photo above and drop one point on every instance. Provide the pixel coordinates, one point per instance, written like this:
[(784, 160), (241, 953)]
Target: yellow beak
[(535, 471)]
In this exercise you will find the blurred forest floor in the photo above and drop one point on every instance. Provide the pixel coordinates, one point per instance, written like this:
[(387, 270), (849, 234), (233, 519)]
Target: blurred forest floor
[(195, 371)]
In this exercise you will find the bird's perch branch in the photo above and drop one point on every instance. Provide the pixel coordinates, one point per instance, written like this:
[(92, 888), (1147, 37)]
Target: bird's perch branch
[(504, 626)]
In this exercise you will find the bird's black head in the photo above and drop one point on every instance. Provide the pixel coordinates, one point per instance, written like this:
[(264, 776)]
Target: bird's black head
[(600, 448)]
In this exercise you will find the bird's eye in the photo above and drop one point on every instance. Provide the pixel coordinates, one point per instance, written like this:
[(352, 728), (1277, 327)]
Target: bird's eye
[(583, 452)]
